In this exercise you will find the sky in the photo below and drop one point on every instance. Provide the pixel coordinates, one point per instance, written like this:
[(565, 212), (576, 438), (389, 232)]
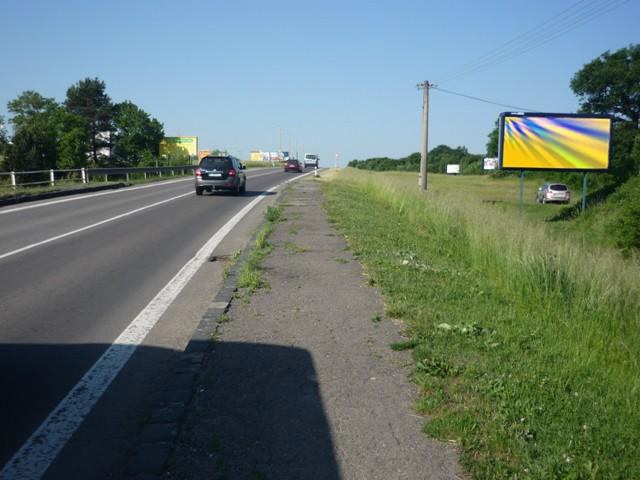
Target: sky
[(327, 77)]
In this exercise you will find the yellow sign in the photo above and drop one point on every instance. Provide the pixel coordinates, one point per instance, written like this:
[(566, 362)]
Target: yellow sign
[(204, 153), (179, 147), (256, 156)]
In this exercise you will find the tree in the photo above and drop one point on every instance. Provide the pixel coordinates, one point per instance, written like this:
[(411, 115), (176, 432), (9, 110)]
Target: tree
[(137, 135), (4, 142), (34, 141), (88, 99), (492, 143), (73, 140), (610, 84)]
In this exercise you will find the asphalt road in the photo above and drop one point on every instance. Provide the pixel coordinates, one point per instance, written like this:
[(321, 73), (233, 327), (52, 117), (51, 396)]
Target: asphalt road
[(64, 301)]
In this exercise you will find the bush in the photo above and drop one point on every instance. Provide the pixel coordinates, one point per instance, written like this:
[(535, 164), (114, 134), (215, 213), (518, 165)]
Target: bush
[(625, 225)]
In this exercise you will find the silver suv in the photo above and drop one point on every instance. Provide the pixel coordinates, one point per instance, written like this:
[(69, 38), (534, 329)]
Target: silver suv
[(553, 192), (220, 173)]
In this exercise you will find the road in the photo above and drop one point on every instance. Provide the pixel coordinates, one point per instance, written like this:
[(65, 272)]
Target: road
[(75, 273)]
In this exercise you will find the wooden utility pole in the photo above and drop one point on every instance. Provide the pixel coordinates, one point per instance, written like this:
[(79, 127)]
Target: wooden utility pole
[(425, 133)]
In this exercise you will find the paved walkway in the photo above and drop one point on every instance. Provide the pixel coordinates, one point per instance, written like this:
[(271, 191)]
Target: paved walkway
[(302, 383)]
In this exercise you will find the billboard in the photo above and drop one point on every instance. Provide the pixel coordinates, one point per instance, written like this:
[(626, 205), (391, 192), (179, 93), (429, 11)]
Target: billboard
[(490, 163), (453, 168), (554, 141), (204, 153), (179, 147), (262, 156)]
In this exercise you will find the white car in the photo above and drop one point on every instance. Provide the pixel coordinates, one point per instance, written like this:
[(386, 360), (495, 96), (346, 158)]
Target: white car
[(553, 192), (311, 160)]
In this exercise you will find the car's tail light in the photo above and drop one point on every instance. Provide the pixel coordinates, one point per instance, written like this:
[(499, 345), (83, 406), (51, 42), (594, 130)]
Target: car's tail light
[(198, 172), (231, 172)]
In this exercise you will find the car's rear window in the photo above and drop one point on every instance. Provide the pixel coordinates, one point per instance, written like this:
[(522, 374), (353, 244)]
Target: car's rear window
[(215, 163), (558, 187)]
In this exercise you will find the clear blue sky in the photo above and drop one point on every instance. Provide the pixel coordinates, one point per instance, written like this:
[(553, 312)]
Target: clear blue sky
[(334, 76)]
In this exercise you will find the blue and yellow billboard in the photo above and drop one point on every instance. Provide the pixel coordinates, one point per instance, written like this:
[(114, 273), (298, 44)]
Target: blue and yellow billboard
[(549, 141)]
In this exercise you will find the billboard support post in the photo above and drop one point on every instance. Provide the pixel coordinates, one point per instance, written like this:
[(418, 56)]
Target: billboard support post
[(521, 191), (584, 192)]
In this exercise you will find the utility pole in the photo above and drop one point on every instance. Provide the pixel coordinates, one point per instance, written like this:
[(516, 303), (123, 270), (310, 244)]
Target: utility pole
[(425, 133)]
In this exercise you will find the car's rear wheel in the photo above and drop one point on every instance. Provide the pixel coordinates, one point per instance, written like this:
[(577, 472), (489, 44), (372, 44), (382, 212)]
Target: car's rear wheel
[(199, 190), (244, 187)]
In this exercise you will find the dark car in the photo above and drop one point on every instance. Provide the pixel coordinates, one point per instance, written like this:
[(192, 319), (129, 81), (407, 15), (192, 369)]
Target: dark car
[(292, 166), (220, 173), (553, 192)]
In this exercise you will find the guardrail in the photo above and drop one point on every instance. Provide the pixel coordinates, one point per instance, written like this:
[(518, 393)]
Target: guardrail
[(84, 175)]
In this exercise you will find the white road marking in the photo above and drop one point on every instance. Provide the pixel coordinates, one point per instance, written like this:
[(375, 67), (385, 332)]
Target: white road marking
[(43, 446), (92, 195), (93, 225), (110, 192)]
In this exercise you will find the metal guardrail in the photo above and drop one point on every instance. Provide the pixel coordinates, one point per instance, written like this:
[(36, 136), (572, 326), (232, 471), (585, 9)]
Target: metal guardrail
[(84, 175)]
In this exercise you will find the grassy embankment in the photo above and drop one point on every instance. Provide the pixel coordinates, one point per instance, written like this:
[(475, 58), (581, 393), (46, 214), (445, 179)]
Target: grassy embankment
[(526, 338)]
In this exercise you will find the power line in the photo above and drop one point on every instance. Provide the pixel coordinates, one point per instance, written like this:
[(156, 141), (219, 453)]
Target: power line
[(499, 49), (435, 87), (526, 42)]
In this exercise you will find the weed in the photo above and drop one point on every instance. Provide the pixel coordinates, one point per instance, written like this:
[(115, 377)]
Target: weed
[(224, 318), (405, 345), (525, 340), (376, 318), (293, 230), (233, 259), (342, 260), (292, 247), (273, 214)]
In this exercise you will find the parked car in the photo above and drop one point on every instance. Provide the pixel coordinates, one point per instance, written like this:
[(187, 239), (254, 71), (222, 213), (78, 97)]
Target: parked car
[(220, 173), (553, 192), (292, 166)]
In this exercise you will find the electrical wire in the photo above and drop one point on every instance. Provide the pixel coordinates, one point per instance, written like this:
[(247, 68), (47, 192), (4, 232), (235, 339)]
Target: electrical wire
[(517, 39), (520, 109), (525, 43)]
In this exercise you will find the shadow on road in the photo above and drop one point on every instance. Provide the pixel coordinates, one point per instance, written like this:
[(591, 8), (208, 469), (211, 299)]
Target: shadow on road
[(256, 411)]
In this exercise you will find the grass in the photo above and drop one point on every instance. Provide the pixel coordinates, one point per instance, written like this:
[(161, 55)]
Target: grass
[(231, 263), (293, 248), (7, 191), (525, 339), (249, 276)]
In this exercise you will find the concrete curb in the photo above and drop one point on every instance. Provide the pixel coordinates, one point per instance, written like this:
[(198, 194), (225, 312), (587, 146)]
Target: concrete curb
[(156, 442)]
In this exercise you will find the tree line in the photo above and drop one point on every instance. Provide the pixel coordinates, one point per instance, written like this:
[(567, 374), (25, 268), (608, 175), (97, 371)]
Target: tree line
[(608, 85), (439, 157), (86, 130)]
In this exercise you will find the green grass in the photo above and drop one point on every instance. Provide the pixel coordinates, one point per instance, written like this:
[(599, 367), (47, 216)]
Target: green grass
[(526, 340), (249, 276), (233, 259), (293, 248), (7, 191)]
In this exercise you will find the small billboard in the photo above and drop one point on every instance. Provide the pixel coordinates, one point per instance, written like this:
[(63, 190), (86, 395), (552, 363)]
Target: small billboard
[(183, 148), (490, 163), (554, 141), (204, 153), (453, 169)]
